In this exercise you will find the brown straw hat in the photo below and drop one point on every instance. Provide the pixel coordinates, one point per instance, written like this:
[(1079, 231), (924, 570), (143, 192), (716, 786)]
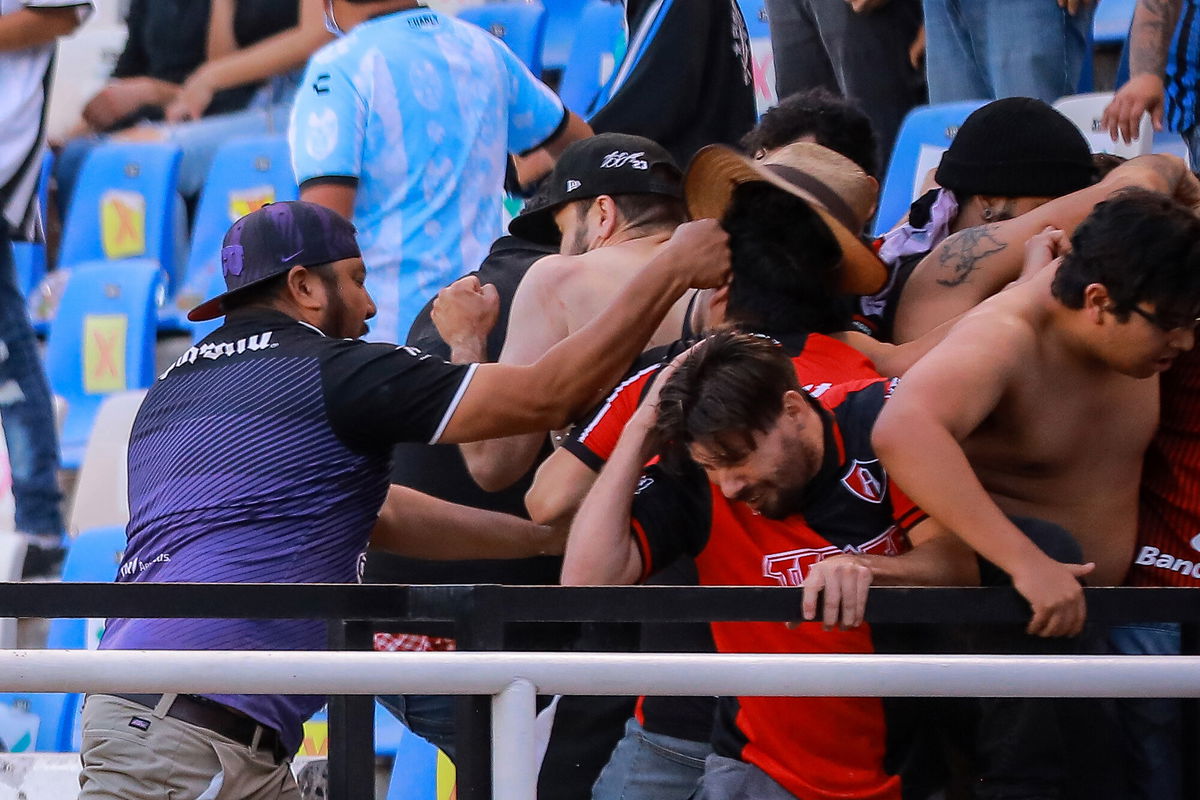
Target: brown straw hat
[(833, 186)]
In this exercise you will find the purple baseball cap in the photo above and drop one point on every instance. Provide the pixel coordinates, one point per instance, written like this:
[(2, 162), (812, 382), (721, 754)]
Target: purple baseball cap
[(272, 240)]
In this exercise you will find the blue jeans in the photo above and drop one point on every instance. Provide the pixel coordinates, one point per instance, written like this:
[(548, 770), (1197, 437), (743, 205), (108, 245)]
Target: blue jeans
[(1152, 728), (430, 716), (651, 766), (26, 410), (985, 50)]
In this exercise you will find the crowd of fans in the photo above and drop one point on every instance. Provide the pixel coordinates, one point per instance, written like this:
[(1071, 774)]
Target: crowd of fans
[(998, 391)]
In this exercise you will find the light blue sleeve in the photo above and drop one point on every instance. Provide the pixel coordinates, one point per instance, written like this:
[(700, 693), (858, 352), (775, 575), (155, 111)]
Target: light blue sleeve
[(328, 123), (534, 110)]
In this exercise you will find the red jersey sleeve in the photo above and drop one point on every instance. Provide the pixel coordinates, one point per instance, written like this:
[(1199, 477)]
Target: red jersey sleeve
[(593, 440)]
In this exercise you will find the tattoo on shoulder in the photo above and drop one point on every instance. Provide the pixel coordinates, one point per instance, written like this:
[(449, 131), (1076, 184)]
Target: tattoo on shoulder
[(962, 253)]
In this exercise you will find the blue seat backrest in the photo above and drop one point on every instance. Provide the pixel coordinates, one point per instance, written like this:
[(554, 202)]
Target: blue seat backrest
[(125, 206), (101, 342), (420, 771), (562, 23), (246, 174), (54, 713), (521, 26), (596, 51), (924, 134)]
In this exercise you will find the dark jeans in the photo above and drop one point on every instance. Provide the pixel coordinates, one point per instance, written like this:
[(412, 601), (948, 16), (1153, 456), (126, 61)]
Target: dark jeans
[(26, 410), (863, 57), (1043, 748)]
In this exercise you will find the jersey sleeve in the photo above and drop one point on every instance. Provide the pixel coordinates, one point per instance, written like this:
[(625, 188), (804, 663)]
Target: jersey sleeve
[(593, 440), (328, 121), (535, 114), (378, 395), (671, 516)]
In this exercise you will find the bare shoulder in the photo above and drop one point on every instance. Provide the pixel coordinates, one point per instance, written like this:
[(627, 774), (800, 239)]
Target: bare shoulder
[(999, 330)]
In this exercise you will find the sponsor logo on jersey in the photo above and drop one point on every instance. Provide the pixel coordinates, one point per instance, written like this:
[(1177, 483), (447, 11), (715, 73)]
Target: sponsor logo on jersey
[(1157, 559), (137, 566), (1196, 542), (791, 567), (619, 158), (867, 480), (214, 350)]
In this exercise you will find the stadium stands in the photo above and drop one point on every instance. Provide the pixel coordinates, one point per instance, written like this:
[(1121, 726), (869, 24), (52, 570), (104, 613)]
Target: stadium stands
[(101, 343), (521, 26)]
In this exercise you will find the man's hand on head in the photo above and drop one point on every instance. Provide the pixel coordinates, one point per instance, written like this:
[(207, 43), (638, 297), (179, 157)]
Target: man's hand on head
[(699, 252), (464, 313), (838, 585)]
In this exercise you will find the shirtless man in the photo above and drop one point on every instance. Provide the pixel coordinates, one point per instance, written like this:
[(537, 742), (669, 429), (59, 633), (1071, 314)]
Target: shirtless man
[(973, 264), (1036, 404), (789, 276), (613, 200)]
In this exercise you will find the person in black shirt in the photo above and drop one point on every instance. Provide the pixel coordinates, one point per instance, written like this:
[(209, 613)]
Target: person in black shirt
[(685, 81)]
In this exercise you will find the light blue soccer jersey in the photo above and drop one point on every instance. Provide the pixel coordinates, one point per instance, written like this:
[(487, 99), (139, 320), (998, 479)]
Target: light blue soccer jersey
[(423, 110)]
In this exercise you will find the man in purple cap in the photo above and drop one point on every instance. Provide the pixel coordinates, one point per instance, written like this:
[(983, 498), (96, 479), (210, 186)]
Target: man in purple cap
[(262, 455)]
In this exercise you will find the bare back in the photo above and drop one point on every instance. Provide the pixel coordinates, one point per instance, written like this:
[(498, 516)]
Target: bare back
[(594, 279), (1066, 440)]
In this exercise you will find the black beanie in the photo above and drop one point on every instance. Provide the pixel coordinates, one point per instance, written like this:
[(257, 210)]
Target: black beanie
[(1016, 147)]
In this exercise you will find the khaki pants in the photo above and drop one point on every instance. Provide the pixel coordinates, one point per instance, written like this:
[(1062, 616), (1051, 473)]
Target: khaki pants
[(170, 759)]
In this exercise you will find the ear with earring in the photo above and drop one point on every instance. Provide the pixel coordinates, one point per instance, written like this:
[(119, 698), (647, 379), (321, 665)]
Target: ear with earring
[(988, 214)]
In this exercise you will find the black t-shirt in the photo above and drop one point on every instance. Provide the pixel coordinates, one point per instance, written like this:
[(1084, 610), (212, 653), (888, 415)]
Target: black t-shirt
[(167, 41), (440, 471), (691, 83)]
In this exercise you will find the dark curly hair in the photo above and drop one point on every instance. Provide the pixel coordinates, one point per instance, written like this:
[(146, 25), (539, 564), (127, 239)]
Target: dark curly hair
[(1143, 247), (831, 121)]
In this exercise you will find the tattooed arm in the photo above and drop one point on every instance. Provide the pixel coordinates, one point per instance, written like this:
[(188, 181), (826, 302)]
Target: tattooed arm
[(972, 265), (1149, 41)]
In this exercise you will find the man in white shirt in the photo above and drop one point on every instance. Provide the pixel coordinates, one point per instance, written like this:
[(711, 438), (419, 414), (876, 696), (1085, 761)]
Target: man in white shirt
[(28, 30)]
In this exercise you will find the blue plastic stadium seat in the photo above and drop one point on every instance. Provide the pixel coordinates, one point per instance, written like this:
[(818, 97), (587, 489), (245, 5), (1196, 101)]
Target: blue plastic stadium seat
[(562, 23), (595, 53), (125, 207), (521, 26), (246, 174), (420, 771), (37, 722), (925, 133), (102, 342), (94, 556), (755, 14)]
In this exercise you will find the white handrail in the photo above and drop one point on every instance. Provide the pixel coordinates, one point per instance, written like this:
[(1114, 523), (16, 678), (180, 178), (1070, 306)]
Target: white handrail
[(513, 679)]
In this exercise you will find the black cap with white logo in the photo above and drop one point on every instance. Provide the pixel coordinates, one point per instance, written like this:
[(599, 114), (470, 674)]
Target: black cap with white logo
[(611, 164)]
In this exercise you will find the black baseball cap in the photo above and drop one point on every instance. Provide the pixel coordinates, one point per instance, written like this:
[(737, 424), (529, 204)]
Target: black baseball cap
[(611, 164), (271, 241)]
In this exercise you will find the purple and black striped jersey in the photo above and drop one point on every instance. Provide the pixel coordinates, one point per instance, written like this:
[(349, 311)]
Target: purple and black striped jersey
[(262, 455)]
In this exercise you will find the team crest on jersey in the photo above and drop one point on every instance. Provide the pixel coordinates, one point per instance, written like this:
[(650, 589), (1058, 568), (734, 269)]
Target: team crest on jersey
[(867, 480)]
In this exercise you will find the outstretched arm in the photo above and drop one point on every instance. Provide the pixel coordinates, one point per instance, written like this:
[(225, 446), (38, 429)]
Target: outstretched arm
[(1149, 41), (836, 589), (575, 374), (972, 265), (417, 525), (918, 436), (535, 325)]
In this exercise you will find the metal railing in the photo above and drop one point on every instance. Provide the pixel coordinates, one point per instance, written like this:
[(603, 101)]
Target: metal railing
[(478, 617)]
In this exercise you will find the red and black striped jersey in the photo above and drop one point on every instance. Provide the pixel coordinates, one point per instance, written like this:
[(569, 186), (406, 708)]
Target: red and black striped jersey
[(1168, 550), (817, 748), (820, 361)]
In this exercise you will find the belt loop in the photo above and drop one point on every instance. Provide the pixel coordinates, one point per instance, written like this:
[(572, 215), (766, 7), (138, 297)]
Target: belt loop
[(258, 732), (164, 705)]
